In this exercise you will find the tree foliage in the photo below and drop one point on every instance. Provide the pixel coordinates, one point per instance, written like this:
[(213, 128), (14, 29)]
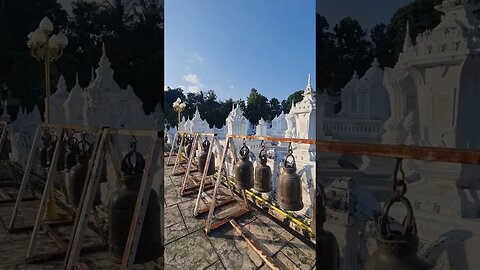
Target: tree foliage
[(347, 47), (133, 34)]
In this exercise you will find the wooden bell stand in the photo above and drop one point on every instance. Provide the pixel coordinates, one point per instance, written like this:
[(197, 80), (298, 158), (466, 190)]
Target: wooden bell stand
[(192, 186), (249, 195), (106, 145), (241, 205), (182, 150), (39, 222), (5, 197), (174, 153)]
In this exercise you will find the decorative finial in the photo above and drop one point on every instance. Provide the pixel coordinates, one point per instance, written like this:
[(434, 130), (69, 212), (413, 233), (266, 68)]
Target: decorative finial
[(308, 84), (407, 43), (76, 79)]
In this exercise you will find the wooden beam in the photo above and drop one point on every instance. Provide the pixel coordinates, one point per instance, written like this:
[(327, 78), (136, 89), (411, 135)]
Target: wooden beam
[(256, 247)]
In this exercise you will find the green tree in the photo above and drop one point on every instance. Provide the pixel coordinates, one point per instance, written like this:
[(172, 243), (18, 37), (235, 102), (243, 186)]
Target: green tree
[(275, 109), (293, 99), (257, 106)]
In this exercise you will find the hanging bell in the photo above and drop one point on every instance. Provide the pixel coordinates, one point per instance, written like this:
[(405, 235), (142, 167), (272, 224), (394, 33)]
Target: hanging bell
[(6, 149), (244, 170), (70, 155), (202, 159), (78, 175), (189, 142), (326, 243), (61, 158), (290, 186), (46, 137), (121, 212), (396, 250), (51, 150), (263, 174)]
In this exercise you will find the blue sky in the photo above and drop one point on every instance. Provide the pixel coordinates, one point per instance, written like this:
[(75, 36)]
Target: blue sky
[(233, 46), (367, 12)]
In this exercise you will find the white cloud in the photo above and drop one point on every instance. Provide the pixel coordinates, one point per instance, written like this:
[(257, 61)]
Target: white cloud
[(193, 89), (192, 79), (195, 58), (194, 83), (232, 86)]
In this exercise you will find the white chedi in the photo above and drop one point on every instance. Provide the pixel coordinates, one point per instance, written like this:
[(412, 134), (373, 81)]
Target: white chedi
[(74, 105)]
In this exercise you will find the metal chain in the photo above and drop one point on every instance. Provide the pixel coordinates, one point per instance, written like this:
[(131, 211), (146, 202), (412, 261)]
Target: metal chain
[(290, 148), (133, 144), (399, 184)]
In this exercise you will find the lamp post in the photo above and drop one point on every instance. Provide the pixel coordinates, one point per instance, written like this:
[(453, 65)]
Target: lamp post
[(47, 48), (178, 106)]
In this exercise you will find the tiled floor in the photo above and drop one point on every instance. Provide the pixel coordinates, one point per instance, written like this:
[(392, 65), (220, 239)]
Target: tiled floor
[(188, 247)]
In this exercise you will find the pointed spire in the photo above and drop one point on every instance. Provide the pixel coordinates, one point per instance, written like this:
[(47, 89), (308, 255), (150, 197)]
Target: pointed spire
[(407, 43), (76, 79)]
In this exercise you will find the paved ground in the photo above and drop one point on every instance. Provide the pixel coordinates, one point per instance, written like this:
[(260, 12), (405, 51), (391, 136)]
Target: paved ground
[(187, 246), (13, 246)]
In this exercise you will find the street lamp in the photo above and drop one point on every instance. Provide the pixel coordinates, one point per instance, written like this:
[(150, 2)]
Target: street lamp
[(47, 48), (178, 106)]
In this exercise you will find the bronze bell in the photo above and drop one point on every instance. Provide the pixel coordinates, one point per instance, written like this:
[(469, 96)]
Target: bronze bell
[(263, 174), (122, 207), (78, 175), (244, 170), (396, 250), (70, 155), (326, 243), (61, 158), (189, 144), (290, 186), (202, 159), (46, 137), (6, 149)]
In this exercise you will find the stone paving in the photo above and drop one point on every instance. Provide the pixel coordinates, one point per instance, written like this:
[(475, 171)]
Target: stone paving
[(13, 246), (188, 247)]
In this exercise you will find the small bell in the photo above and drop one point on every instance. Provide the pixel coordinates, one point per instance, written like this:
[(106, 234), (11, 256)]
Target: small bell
[(202, 159), (290, 186), (189, 145), (263, 174), (396, 250), (243, 172), (122, 207)]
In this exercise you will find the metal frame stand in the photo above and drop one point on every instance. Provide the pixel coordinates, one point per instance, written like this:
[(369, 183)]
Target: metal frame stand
[(91, 187)]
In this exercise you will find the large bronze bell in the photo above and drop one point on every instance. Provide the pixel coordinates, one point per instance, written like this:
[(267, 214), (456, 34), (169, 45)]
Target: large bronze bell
[(326, 243), (396, 250), (6, 149), (263, 173), (121, 212), (244, 170), (202, 159), (290, 186), (78, 175)]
